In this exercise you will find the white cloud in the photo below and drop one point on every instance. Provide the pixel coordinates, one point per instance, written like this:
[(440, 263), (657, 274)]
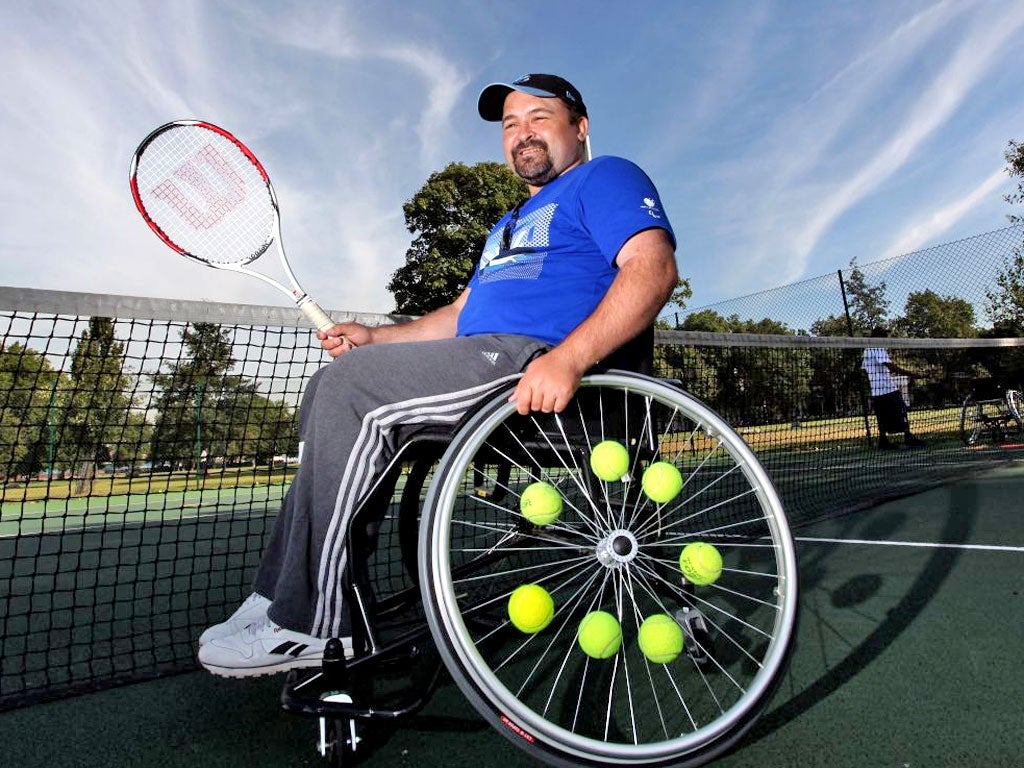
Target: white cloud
[(940, 221), (972, 60), (774, 133)]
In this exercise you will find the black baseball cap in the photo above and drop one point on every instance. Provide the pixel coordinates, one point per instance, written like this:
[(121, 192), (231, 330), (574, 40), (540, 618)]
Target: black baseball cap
[(492, 98)]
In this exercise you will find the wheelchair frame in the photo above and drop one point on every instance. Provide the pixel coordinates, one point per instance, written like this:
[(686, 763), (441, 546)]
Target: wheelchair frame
[(612, 548), (1001, 417)]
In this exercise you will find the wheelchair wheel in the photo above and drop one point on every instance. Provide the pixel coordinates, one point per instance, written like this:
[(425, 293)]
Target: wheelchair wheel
[(1016, 408), (612, 549), (972, 422)]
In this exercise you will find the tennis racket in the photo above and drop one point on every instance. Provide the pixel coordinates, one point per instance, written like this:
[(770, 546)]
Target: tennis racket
[(204, 193)]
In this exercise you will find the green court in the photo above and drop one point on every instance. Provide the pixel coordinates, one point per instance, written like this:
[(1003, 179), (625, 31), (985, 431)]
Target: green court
[(908, 655), (75, 515)]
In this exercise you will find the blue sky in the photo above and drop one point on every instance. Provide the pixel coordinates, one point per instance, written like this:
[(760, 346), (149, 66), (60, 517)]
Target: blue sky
[(785, 137)]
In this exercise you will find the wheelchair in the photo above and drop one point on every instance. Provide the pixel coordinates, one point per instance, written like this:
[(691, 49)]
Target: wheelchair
[(428, 584), (1002, 418)]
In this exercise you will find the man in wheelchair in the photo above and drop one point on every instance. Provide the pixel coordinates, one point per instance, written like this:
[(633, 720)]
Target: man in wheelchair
[(566, 278)]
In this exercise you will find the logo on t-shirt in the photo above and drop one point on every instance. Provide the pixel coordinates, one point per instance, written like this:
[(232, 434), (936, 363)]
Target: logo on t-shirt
[(651, 206), (527, 249)]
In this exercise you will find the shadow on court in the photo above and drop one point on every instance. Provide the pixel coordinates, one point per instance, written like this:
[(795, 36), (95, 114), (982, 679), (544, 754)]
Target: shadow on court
[(907, 656)]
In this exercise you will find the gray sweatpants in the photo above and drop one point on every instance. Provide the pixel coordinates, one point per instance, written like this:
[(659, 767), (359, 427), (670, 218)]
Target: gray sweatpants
[(349, 417)]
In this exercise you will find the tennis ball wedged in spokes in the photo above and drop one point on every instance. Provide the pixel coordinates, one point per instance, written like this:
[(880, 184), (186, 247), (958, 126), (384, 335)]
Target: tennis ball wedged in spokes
[(701, 563), (540, 503), (599, 635), (530, 608), (662, 482), (610, 460), (660, 638)]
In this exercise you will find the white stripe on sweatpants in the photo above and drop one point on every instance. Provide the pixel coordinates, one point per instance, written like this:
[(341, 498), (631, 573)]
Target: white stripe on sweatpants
[(359, 475)]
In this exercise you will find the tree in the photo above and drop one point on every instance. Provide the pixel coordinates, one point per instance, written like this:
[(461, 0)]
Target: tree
[(28, 389), (681, 294), (747, 385), (868, 307), (451, 216), (1015, 167), (927, 315), (98, 404), (1005, 305), (202, 405), (1005, 302), (190, 393)]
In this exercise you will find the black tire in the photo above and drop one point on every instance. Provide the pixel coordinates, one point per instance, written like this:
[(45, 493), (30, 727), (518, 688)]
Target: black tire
[(972, 423), (615, 549), (1015, 405), (340, 753)]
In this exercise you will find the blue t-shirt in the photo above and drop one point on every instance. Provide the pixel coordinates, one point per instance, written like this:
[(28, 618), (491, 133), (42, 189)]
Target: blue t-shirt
[(548, 272)]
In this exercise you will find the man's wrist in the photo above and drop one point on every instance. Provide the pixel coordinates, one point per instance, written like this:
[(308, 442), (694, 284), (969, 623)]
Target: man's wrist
[(575, 359)]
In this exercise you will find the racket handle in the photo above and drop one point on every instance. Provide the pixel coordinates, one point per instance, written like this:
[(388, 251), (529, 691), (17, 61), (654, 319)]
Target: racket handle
[(315, 315)]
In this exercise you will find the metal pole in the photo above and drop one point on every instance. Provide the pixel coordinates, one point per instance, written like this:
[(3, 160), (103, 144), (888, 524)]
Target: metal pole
[(51, 428), (200, 391), (849, 331)]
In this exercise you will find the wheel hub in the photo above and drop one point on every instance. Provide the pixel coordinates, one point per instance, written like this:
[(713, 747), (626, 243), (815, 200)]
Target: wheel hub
[(617, 548)]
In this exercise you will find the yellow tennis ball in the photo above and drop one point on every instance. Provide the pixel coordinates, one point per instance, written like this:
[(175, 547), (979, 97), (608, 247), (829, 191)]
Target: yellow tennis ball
[(530, 608), (599, 635), (662, 482), (609, 460), (701, 563), (540, 503), (660, 638)]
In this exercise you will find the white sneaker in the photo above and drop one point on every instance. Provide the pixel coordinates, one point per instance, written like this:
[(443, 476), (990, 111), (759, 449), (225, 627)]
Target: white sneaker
[(255, 607), (263, 648)]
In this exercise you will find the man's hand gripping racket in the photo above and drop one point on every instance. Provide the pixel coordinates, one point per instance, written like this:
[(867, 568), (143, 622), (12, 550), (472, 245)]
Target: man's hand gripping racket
[(204, 193)]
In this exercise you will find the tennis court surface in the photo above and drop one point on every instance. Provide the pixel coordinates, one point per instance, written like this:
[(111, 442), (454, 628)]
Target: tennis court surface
[(908, 655)]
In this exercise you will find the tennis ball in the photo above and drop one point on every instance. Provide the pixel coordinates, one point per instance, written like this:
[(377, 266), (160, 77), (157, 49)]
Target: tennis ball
[(609, 460), (530, 608), (662, 482), (540, 503), (701, 563), (599, 635), (660, 638)]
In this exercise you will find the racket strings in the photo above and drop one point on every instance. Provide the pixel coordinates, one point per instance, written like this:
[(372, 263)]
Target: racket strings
[(206, 196)]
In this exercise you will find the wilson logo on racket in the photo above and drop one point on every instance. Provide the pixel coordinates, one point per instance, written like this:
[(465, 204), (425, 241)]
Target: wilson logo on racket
[(220, 198), (204, 193)]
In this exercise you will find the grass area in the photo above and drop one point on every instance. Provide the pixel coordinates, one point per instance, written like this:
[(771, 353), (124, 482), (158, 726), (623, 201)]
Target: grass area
[(842, 431)]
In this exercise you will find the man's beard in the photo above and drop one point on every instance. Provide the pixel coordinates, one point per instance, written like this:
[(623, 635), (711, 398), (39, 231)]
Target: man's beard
[(536, 170)]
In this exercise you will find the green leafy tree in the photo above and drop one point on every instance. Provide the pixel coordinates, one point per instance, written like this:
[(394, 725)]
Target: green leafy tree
[(190, 394), (202, 406), (250, 427), (1005, 301), (868, 304), (1015, 167), (927, 315), (677, 301), (450, 217), (29, 389), (97, 406), (748, 385)]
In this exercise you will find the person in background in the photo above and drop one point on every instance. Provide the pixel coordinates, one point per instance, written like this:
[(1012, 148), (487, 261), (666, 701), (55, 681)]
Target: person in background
[(886, 398)]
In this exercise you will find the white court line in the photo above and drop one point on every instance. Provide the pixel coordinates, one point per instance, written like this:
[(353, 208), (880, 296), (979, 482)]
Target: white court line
[(921, 544)]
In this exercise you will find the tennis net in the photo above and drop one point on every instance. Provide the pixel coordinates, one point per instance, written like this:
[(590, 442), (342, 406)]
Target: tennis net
[(145, 446)]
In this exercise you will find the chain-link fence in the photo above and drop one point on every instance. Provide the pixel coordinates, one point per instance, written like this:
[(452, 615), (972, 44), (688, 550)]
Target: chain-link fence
[(953, 290)]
